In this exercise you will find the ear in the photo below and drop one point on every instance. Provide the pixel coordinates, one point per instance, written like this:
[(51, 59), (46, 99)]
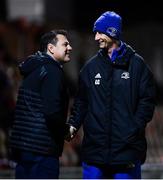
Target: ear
[(50, 48)]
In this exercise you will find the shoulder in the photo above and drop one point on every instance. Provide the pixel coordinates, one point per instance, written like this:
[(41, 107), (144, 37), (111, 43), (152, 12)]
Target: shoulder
[(137, 60), (50, 69), (140, 64)]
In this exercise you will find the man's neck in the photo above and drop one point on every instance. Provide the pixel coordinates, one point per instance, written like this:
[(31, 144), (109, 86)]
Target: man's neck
[(115, 45)]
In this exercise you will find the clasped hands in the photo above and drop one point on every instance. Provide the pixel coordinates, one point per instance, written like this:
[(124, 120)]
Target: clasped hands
[(71, 133)]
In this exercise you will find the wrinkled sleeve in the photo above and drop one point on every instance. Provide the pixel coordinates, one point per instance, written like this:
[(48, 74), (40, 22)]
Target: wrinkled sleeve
[(147, 100), (80, 106), (51, 89)]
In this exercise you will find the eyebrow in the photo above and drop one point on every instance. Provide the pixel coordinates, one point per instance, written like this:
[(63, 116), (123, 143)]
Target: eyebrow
[(66, 43)]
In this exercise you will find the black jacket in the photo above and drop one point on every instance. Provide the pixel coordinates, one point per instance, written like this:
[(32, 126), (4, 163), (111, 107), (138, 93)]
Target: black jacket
[(41, 108), (114, 103)]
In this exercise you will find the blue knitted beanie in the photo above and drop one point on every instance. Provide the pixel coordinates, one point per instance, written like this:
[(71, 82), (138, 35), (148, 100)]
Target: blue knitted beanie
[(110, 24)]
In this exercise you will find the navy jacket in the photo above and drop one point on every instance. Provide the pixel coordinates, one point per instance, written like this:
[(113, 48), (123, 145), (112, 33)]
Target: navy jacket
[(114, 103), (41, 108)]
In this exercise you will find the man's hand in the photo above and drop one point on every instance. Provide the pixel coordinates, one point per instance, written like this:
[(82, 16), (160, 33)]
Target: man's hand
[(71, 134)]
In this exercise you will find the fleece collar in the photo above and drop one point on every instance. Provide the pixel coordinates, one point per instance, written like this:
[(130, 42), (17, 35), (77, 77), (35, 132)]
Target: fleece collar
[(121, 57), (119, 52)]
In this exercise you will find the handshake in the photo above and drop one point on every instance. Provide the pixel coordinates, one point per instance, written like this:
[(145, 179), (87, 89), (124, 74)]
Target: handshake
[(70, 132)]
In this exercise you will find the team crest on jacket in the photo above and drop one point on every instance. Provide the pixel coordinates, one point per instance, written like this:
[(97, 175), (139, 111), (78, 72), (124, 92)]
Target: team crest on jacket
[(97, 79), (125, 75)]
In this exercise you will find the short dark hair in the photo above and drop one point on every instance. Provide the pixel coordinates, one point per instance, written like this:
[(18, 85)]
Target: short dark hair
[(50, 37)]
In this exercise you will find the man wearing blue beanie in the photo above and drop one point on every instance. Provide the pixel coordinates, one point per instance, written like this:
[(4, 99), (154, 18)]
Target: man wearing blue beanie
[(115, 101), (110, 24)]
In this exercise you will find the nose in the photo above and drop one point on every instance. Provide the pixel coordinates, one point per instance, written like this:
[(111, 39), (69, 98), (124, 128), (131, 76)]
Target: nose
[(69, 47), (97, 36)]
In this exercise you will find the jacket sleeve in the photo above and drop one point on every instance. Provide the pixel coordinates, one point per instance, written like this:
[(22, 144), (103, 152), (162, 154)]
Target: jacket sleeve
[(80, 106), (146, 103), (51, 92)]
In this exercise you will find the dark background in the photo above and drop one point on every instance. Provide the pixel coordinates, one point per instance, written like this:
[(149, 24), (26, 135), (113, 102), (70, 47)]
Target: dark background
[(133, 12), (85, 12)]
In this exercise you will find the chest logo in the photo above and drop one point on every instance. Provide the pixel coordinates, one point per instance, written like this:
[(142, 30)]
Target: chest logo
[(125, 75), (97, 79)]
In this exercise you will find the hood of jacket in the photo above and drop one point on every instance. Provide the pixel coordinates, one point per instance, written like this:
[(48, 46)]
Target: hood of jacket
[(34, 61)]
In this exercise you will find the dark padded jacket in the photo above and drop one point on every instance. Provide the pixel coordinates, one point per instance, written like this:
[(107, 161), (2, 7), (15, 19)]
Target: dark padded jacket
[(114, 103), (41, 108)]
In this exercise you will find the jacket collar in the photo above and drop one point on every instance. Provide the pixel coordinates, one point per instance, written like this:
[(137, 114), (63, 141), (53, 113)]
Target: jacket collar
[(122, 59)]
